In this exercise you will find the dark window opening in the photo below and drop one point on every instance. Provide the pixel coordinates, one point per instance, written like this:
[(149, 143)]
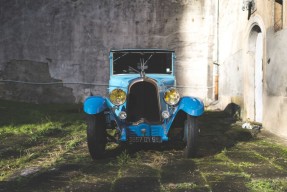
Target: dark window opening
[(153, 62), (278, 15)]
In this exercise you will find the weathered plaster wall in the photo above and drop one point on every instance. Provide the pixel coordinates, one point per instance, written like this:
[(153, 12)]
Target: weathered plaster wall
[(75, 36), (275, 118), (274, 70), (236, 56), (231, 70)]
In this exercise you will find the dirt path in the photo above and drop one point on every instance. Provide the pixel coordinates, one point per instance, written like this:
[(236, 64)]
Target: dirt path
[(229, 159)]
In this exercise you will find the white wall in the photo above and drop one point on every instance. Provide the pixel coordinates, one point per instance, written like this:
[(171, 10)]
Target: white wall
[(232, 22), (275, 114)]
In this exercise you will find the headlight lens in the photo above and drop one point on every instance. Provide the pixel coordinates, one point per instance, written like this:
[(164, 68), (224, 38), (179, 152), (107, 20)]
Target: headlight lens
[(118, 97), (171, 96)]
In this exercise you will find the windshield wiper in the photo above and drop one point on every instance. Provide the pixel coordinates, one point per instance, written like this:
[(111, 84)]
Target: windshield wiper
[(148, 59), (120, 57)]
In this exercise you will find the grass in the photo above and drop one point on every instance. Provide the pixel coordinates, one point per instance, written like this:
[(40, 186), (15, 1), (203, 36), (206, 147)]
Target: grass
[(123, 159), (37, 134), (44, 146), (267, 185), (178, 186)]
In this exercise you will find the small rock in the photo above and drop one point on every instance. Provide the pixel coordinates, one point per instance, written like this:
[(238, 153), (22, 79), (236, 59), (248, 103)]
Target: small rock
[(29, 171)]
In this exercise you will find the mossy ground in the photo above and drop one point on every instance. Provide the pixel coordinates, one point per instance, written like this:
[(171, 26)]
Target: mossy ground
[(43, 148)]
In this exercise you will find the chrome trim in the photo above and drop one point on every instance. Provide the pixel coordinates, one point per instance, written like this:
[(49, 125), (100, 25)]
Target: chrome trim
[(142, 120), (154, 82), (165, 114), (122, 115)]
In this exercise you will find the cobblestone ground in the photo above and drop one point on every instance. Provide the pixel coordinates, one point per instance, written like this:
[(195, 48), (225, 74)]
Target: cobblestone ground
[(229, 159)]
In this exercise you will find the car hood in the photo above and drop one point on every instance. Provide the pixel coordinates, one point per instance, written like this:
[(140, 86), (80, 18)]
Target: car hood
[(123, 81)]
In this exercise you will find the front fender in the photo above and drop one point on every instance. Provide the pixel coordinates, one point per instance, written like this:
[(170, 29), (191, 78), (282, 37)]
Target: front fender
[(94, 105), (191, 106)]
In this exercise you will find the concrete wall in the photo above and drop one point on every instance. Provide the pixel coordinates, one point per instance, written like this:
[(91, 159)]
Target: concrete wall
[(29, 71), (230, 57), (75, 36)]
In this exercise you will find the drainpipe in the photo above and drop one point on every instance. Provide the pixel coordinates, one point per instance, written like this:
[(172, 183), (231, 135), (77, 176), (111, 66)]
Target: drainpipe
[(216, 87), (216, 64)]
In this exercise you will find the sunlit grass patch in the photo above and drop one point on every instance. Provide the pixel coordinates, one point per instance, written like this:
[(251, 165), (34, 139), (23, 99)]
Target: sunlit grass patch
[(123, 159), (267, 185), (157, 160), (222, 156), (279, 148), (39, 135), (178, 186), (246, 164)]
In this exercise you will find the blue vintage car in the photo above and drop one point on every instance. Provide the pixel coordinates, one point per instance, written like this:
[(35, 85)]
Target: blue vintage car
[(144, 105)]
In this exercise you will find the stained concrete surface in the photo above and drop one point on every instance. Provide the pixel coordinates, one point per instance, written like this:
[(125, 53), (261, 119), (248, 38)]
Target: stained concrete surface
[(32, 82)]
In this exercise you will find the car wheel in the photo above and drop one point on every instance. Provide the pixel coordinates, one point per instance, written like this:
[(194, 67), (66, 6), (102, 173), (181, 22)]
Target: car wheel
[(190, 136), (96, 135)]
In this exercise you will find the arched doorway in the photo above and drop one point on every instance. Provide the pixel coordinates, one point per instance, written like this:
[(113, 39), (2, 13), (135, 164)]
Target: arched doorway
[(254, 87), (258, 77)]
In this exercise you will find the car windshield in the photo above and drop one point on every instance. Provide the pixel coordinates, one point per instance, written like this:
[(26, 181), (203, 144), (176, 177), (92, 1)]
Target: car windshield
[(135, 62)]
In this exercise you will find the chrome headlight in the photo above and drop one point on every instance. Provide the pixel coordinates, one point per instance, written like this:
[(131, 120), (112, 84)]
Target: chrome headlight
[(118, 97), (171, 96)]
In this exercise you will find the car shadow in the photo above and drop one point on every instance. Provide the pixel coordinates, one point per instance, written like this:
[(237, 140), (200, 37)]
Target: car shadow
[(218, 130)]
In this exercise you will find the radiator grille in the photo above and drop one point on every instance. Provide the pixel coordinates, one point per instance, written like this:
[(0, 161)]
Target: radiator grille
[(143, 102)]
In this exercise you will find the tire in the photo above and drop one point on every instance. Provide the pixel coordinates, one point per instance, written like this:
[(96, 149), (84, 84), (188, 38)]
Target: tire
[(191, 136), (96, 135)]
